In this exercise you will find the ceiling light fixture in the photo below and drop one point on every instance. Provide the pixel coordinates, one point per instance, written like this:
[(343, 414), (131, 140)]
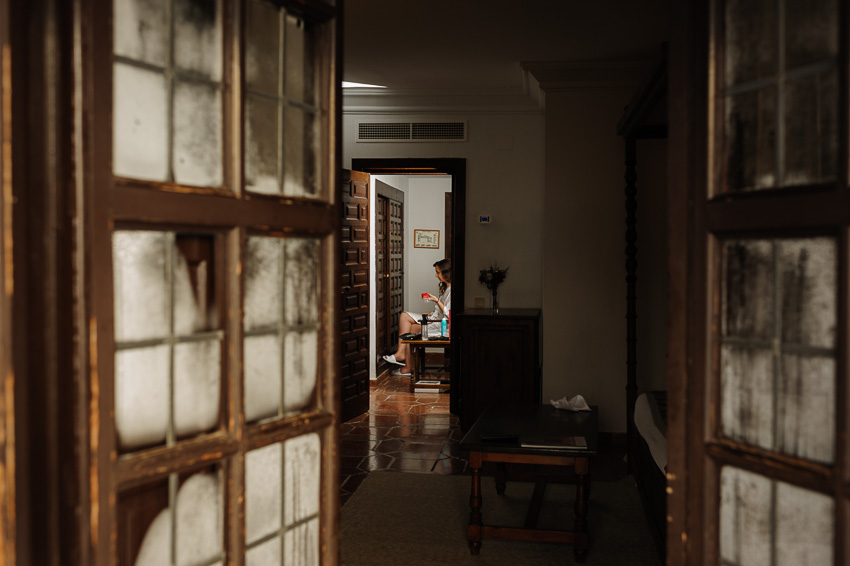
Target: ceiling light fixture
[(346, 84)]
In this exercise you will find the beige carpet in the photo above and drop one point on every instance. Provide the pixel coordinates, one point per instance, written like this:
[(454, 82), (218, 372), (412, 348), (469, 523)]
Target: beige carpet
[(406, 519)]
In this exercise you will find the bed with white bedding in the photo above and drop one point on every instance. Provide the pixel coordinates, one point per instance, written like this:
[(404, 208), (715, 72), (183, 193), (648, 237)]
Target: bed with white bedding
[(648, 456)]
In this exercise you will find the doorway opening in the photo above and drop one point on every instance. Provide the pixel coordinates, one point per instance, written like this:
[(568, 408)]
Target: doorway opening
[(454, 171)]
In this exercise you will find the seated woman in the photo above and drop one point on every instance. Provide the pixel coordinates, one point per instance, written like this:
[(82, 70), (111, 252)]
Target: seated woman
[(409, 322)]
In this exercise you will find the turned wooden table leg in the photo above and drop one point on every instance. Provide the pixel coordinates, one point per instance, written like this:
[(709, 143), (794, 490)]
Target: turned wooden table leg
[(415, 368), (473, 532), (582, 496)]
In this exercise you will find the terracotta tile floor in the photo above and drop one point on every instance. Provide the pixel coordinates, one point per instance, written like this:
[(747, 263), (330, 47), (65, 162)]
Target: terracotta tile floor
[(414, 432), (403, 431)]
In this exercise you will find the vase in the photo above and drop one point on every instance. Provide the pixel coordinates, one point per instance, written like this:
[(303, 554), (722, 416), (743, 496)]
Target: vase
[(494, 300)]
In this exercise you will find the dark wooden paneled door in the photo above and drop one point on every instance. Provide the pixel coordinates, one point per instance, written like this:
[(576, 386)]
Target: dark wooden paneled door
[(383, 319), (396, 266), (354, 286)]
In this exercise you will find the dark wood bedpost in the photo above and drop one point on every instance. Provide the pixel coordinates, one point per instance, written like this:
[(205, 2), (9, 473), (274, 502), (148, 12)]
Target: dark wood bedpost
[(640, 120)]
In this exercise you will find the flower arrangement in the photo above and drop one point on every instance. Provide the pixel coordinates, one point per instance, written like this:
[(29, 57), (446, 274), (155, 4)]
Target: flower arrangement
[(492, 277)]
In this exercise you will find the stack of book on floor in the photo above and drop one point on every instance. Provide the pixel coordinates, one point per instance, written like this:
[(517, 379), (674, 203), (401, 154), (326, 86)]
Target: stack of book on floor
[(427, 386)]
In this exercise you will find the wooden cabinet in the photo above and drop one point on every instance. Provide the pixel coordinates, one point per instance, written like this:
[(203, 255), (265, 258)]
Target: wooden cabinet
[(499, 360)]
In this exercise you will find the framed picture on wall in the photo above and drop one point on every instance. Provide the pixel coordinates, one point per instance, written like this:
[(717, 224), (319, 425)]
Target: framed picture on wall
[(426, 239)]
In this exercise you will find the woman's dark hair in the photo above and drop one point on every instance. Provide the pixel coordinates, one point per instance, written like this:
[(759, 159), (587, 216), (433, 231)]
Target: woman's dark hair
[(445, 267)]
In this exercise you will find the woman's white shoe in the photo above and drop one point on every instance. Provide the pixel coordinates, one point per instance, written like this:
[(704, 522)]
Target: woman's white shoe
[(398, 372), (392, 360)]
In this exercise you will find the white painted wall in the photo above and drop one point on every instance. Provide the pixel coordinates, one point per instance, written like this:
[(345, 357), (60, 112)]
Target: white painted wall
[(504, 178), (425, 208), (584, 338)]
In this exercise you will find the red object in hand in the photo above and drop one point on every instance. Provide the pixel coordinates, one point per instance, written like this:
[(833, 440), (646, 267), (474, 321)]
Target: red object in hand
[(424, 295)]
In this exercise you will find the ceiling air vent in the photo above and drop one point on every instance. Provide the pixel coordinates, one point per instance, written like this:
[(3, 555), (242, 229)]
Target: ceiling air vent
[(411, 131)]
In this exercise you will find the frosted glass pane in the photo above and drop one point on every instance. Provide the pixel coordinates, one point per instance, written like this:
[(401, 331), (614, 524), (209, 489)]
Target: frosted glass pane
[(266, 554), (301, 281), (749, 289), (811, 129), (750, 48), (744, 527), (197, 386), (299, 61), (300, 147), (747, 395), (198, 529), (194, 311), (263, 286), (262, 377), (809, 291), (815, 36), (302, 457), (140, 129), (156, 546), (140, 32), (301, 545), (262, 154), (805, 526), (778, 373), (197, 135), (262, 47), (197, 37), (140, 285), (751, 140), (806, 408), (141, 396), (300, 368), (200, 522), (765, 522), (263, 494)]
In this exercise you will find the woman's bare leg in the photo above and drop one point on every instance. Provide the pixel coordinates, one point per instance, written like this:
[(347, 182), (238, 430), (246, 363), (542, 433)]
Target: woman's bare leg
[(408, 365), (406, 325)]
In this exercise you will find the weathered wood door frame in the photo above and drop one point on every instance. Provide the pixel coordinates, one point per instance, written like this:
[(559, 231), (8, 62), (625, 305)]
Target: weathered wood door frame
[(456, 167)]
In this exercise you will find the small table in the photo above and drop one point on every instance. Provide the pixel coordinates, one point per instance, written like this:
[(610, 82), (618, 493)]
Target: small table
[(417, 353), (522, 424)]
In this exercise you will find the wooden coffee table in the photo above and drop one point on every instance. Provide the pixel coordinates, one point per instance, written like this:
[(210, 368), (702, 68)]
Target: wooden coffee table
[(497, 436)]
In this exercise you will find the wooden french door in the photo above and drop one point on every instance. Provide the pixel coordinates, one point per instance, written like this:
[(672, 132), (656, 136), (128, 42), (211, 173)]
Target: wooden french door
[(758, 374), (174, 292), (354, 282)]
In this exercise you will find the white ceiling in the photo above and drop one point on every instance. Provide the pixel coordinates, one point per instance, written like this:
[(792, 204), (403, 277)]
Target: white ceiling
[(472, 45)]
